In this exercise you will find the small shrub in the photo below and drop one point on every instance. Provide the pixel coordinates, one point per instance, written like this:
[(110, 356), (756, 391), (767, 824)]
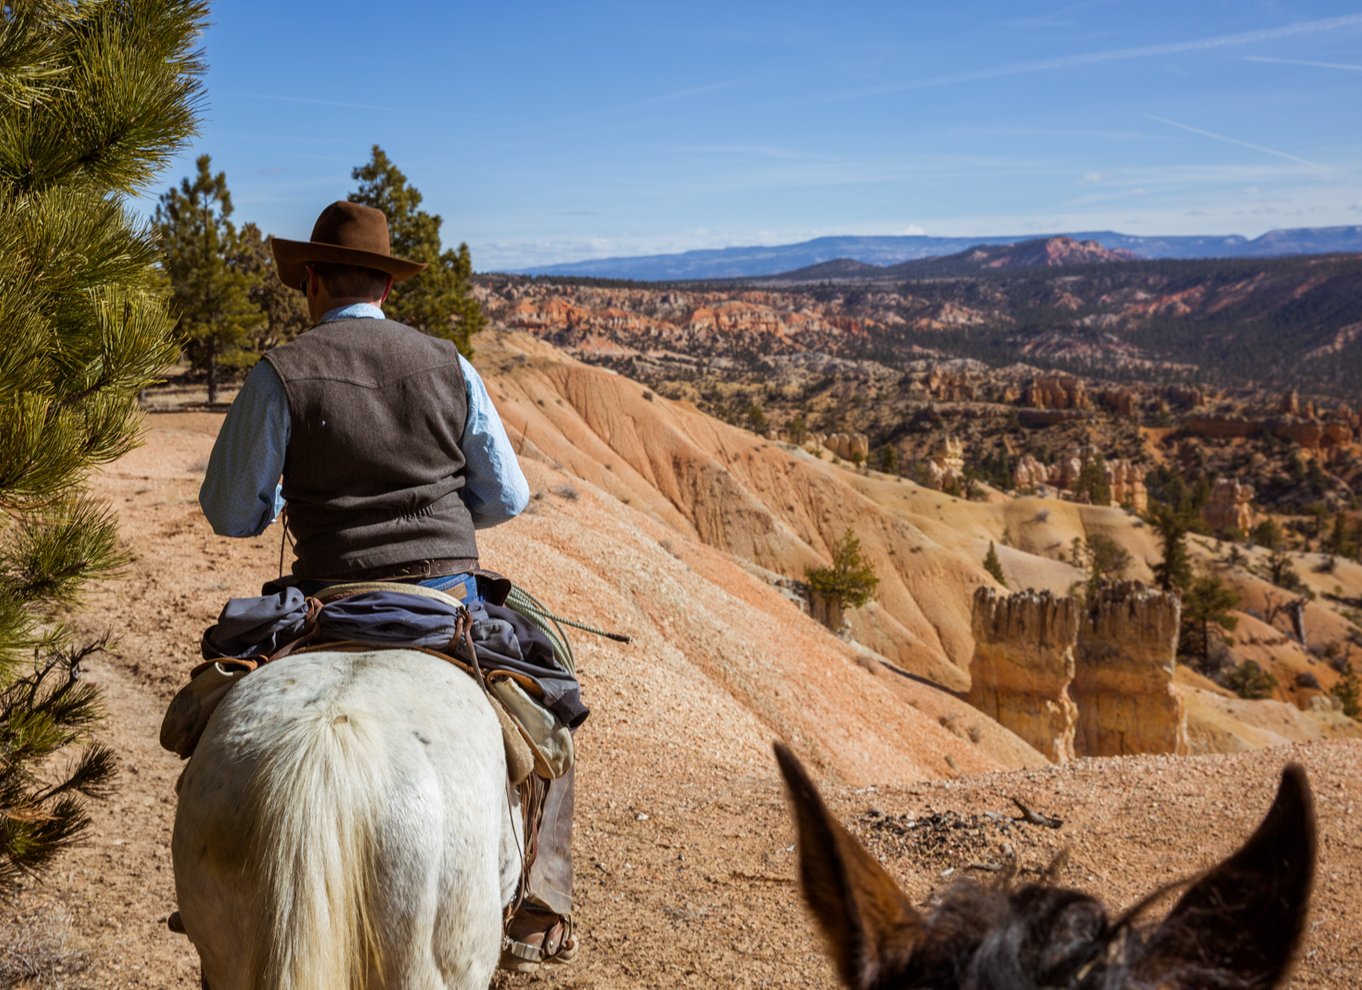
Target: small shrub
[(566, 492), (1249, 681), (1348, 691)]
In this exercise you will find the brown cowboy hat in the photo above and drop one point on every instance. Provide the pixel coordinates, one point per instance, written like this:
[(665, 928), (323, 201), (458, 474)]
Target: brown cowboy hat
[(345, 234)]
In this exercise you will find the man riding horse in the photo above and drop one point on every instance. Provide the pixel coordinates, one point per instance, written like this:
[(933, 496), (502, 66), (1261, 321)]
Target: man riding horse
[(391, 455)]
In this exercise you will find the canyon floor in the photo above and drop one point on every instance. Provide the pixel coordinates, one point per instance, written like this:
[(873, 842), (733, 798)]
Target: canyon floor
[(685, 865)]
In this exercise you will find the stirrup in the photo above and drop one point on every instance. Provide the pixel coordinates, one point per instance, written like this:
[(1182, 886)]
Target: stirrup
[(555, 945)]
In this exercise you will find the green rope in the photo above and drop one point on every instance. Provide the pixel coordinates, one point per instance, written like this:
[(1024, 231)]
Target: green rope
[(552, 626)]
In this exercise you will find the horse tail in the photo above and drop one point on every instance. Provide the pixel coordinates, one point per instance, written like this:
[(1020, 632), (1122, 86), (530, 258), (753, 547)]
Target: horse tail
[(318, 801)]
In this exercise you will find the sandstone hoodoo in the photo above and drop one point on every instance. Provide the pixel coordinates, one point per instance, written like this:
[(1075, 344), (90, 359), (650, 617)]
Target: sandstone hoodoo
[(1023, 665), (1230, 507), (1081, 679), (1123, 674)]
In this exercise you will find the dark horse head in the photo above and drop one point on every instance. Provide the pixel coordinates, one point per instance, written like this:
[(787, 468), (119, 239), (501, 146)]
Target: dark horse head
[(1234, 928)]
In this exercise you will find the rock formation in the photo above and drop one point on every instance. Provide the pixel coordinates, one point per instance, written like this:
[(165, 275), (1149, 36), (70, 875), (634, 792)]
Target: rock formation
[(1080, 682), (1029, 473), (848, 445), (947, 464), (1023, 664), (1123, 674), (1229, 508), (1121, 401), (1054, 392), (1126, 480)]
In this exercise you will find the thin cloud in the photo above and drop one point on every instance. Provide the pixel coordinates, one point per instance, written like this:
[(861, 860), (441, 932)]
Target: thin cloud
[(1286, 156), (1302, 61), (1099, 135), (1111, 55)]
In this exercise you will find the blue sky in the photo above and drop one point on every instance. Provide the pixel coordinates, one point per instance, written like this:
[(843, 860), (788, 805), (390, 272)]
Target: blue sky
[(547, 132)]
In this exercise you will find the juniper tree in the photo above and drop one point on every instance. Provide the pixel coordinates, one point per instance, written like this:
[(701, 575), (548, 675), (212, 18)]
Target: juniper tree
[(211, 285), (94, 99), (850, 582), (440, 300)]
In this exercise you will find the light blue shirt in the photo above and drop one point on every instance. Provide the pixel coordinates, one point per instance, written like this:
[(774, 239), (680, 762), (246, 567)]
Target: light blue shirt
[(241, 494)]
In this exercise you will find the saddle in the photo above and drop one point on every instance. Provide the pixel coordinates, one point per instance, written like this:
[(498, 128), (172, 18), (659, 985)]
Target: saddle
[(536, 740)]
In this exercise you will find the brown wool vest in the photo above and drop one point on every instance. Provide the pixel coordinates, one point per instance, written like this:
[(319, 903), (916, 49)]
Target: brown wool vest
[(373, 467)]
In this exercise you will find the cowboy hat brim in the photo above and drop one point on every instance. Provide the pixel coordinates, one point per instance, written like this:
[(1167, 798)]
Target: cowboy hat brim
[(291, 259)]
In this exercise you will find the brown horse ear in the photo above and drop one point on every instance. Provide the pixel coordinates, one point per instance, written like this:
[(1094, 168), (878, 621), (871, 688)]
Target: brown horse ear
[(1238, 926), (870, 925)]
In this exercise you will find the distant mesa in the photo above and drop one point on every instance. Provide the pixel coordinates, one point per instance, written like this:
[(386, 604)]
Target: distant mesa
[(759, 261), (837, 268), (1046, 252)]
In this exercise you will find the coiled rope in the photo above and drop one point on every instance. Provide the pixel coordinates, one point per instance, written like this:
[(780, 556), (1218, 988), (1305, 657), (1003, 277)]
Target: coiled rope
[(552, 626)]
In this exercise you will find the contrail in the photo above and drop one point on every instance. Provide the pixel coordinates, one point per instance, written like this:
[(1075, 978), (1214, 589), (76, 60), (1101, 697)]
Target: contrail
[(1300, 61), (1111, 55), (1229, 140)]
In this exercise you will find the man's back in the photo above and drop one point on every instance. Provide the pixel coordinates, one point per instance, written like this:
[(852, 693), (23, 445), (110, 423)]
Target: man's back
[(374, 464)]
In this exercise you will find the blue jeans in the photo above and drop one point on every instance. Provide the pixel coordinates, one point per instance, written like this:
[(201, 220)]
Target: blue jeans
[(464, 587)]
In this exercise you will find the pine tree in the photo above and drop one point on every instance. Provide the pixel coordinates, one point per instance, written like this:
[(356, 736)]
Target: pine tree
[(993, 565), (1174, 571), (284, 309), (850, 582), (212, 294), (1206, 607), (1092, 485), (95, 97), (439, 301)]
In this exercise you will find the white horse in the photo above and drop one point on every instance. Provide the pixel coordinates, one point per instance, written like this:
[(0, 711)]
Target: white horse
[(344, 823)]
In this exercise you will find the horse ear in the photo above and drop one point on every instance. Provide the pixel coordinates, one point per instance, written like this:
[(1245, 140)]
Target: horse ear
[(870, 925), (1240, 923)]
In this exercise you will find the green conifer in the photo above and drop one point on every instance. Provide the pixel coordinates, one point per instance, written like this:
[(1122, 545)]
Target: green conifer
[(993, 565), (94, 99), (850, 582), (211, 284), (439, 301)]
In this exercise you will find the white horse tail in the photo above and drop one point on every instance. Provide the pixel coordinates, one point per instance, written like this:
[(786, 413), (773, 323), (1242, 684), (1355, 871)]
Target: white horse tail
[(318, 801)]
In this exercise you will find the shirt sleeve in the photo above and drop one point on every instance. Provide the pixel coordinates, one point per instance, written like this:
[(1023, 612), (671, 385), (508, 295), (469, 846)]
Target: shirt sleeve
[(494, 489), (241, 494)]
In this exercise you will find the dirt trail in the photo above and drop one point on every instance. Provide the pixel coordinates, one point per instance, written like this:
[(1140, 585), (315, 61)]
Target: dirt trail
[(686, 874)]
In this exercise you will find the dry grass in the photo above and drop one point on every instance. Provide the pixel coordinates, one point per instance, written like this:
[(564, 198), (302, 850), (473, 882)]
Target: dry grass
[(42, 953)]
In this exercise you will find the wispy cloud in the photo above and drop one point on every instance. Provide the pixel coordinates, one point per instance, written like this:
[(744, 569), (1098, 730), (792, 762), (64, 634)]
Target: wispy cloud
[(1109, 55), (1285, 156), (1346, 67), (1049, 132)]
